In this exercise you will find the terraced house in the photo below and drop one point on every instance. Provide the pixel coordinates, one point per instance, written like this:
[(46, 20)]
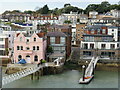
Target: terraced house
[(32, 48)]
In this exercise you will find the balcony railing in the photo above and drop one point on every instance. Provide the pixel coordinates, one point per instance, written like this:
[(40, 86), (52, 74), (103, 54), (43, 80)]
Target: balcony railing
[(100, 48)]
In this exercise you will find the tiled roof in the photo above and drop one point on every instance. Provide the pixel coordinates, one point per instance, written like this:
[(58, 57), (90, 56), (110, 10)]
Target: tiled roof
[(56, 33), (41, 34), (60, 26)]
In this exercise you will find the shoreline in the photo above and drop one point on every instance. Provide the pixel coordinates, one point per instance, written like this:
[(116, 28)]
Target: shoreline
[(71, 66)]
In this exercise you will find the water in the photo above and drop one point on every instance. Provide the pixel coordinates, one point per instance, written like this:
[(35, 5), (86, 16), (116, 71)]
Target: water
[(68, 79)]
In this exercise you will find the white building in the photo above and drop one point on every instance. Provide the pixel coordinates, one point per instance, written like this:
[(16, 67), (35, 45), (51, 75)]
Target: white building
[(73, 35), (112, 30), (93, 14), (3, 43), (115, 13), (73, 16)]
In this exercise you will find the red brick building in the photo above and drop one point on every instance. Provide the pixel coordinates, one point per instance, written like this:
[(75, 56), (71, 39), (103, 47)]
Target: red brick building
[(60, 43)]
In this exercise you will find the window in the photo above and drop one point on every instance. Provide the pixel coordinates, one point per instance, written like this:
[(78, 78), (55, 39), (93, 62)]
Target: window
[(33, 47), (118, 45), (103, 31), (91, 46), (37, 47), (34, 39), (27, 40), (112, 46), (27, 48), (103, 46), (18, 48), (85, 46), (62, 40), (98, 31), (35, 58), (19, 57), (2, 46), (63, 48), (52, 40), (1, 39), (92, 31), (21, 47)]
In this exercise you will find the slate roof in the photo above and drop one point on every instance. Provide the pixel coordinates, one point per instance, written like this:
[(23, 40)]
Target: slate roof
[(56, 33), (60, 26)]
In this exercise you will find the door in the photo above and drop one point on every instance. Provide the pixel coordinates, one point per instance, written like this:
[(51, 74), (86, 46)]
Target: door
[(28, 59)]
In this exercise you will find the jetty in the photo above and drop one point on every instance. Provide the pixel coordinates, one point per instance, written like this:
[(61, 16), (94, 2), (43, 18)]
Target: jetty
[(88, 73), (29, 71)]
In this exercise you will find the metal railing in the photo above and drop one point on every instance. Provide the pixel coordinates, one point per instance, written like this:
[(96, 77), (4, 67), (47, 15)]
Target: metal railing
[(15, 76)]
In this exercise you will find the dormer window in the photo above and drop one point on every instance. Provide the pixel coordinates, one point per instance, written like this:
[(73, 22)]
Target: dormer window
[(34, 39)]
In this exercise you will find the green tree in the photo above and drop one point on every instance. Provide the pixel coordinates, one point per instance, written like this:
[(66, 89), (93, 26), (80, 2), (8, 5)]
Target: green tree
[(66, 5), (45, 10), (49, 49), (67, 22), (28, 12)]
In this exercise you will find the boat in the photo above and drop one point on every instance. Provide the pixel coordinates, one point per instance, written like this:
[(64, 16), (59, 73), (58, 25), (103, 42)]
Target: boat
[(86, 80)]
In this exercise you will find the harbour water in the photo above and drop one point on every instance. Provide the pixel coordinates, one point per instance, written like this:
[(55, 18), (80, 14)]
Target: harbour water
[(68, 79)]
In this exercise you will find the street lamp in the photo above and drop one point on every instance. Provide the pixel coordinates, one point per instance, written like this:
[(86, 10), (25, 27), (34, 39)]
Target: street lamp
[(86, 63), (83, 72)]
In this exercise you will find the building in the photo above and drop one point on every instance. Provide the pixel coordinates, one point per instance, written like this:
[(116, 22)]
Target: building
[(60, 43), (113, 30), (93, 14), (73, 16), (32, 48), (67, 29), (3, 44), (115, 13), (73, 42), (83, 19), (43, 19), (101, 41), (15, 17), (79, 33)]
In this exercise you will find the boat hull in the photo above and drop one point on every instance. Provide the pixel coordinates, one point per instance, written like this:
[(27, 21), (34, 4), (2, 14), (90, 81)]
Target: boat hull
[(86, 81)]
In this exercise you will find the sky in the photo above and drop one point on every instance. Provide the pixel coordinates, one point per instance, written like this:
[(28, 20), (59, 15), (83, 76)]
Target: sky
[(32, 4)]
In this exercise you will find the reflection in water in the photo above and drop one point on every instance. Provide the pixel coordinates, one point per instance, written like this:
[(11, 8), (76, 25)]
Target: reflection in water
[(68, 79)]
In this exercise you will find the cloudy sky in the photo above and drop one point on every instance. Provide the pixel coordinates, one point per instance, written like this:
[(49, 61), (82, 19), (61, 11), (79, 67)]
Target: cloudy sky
[(32, 4)]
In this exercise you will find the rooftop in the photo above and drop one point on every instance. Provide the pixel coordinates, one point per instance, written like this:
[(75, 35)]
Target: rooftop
[(56, 33), (98, 35), (60, 26)]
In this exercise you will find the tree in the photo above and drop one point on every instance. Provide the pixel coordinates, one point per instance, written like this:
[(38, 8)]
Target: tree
[(66, 5), (49, 49), (28, 12), (45, 10), (67, 22)]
